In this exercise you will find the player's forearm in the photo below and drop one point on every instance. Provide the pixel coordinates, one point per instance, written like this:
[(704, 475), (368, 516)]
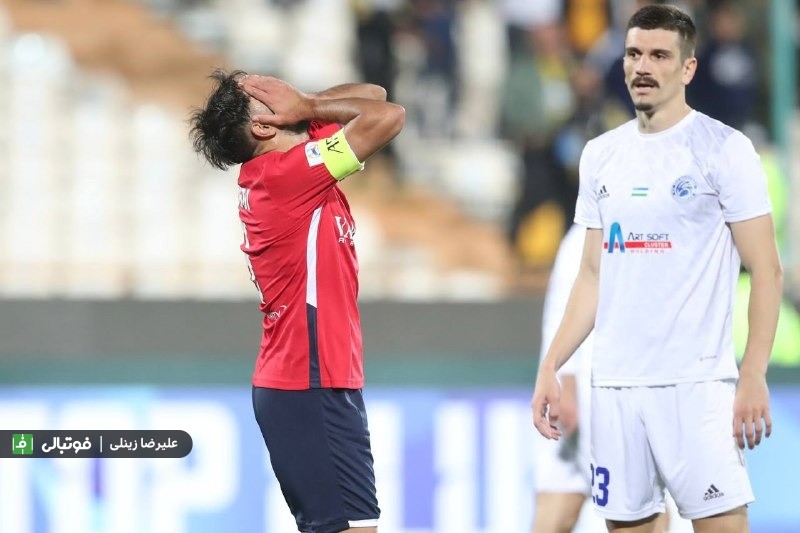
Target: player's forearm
[(369, 124), (342, 110), (577, 323), (766, 288), (369, 91)]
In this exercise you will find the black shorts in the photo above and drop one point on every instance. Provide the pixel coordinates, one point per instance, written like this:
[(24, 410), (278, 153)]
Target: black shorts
[(318, 444)]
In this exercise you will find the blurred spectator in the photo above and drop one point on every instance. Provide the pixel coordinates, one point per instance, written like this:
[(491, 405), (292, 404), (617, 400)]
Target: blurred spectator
[(586, 21), (437, 86), (537, 101), (374, 31), (606, 54), (594, 114), (725, 86), (375, 58), (521, 15)]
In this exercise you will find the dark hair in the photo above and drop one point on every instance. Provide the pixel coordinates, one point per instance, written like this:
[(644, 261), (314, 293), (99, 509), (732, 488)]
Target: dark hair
[(220, 131), (663, 17)]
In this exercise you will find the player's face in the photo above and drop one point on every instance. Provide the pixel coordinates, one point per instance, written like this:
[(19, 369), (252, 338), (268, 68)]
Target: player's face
[(655, 73)]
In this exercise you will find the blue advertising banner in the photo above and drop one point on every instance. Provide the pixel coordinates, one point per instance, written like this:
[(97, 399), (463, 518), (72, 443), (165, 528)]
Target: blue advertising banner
[(449, 460)]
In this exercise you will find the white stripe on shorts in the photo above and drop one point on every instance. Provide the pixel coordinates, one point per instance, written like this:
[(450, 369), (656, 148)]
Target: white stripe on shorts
[(372, 522)]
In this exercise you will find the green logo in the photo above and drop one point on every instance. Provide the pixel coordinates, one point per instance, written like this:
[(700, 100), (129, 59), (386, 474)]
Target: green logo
[(23, 444)]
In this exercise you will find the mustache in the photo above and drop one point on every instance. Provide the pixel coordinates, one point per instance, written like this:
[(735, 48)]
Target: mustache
[(644, 79)]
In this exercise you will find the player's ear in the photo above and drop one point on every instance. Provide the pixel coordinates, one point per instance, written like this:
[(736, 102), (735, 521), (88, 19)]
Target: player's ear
[(262, 132), (689, 68)]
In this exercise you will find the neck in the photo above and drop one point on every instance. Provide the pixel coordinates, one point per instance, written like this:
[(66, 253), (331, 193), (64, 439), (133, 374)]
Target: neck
[(282, 142), (664, 118)]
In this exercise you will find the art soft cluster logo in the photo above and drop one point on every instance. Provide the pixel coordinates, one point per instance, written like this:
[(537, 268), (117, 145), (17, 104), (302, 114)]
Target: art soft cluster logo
[(636, 243)]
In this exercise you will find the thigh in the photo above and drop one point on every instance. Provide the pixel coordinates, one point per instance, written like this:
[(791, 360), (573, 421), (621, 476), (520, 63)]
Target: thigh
[(733, 521), (690, 430), (319, 448), (625, 483)]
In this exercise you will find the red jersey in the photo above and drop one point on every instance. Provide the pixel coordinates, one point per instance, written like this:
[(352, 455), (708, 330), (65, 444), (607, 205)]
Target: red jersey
[(298, 240)]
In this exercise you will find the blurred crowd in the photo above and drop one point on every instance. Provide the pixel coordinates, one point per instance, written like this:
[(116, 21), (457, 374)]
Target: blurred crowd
[(562, 85), (500, 95)]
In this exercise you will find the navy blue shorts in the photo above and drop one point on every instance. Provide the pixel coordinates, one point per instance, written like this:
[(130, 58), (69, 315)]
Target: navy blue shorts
[(318, 444)]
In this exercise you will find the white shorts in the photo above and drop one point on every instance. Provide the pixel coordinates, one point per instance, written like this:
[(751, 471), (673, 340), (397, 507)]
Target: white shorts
[(678, 437)]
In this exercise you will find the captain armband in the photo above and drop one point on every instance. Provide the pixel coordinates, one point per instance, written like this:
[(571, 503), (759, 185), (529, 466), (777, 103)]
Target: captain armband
[(338, 157)]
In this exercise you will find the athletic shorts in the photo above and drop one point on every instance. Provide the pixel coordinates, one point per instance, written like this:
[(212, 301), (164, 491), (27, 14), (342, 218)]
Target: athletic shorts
[(678, 437), (562, 466), (319, 447)]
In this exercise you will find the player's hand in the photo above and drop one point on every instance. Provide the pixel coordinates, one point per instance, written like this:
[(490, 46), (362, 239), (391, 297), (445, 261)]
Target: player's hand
[(750, 407), (568, 407), (545, 404), (289, 105)]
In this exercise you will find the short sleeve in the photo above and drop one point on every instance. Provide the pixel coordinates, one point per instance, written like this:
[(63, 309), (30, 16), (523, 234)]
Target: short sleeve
[(297, 179), (740, 180), (587, 212), (319, 130), (562, 278)]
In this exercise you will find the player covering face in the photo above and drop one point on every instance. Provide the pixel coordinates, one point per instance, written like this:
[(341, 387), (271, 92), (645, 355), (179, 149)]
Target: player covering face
[(298, 240)]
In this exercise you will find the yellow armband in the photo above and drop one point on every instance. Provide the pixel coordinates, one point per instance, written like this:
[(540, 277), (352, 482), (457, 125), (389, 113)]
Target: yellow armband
[(338, 157)]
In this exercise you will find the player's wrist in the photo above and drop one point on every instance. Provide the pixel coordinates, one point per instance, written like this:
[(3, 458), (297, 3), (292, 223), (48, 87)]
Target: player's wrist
[(548, 365), (752, 370), (307, 107)]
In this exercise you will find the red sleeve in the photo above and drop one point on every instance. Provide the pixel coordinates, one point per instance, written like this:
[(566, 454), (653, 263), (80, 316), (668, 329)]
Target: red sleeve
[(298, 180), (320, 130)]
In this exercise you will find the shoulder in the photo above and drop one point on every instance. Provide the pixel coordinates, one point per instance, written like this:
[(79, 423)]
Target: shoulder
[(276, 164), (613, 137), (713, 135), (598, 149)]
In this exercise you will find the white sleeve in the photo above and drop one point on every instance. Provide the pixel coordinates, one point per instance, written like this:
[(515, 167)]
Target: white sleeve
[(559, 288), (587, 213), (740, 180)]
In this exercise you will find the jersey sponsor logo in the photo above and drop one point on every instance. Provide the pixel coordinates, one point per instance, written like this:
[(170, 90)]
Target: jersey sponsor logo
[(602, 193), (244, 198), (615, 239), (636, 243), (276, 314), (312, 154), (347, 230), (684, 188), (640, 192)]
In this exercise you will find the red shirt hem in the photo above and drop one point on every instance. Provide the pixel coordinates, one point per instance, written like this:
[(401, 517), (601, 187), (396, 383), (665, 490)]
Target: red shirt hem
[(304, 385)]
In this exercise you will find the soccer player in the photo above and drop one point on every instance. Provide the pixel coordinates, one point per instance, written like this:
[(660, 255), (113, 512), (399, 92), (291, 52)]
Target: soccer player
[(298, 242), (562, 474), (673, 201), (562, 479)]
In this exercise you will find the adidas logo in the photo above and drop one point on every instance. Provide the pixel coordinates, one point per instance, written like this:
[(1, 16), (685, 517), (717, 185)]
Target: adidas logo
[(713, 492), (602, 193)]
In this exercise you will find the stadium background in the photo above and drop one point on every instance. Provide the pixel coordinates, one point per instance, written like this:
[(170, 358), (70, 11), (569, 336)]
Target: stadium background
[(126, 304)]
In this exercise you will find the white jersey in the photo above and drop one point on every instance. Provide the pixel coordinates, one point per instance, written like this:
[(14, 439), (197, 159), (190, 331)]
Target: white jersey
[(669, 266), (562, 277)]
